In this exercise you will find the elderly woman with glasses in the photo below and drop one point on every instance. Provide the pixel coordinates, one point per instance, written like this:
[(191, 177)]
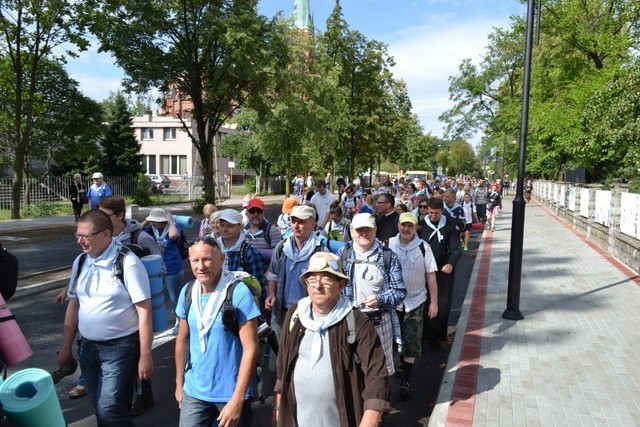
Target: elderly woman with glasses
[(331, 367)]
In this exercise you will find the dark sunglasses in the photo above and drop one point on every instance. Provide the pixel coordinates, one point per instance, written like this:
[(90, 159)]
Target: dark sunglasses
[(207, 240), (255, 211), (423, 206)]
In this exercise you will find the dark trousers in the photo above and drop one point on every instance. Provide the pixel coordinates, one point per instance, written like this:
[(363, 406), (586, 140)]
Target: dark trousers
[(77, 208), (437, 328)]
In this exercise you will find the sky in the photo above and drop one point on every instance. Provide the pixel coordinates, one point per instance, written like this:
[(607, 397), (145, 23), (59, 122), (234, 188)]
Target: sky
[(427, 38)]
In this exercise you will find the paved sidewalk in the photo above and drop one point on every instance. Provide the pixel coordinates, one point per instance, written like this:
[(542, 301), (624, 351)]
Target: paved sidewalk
[(572, 361)]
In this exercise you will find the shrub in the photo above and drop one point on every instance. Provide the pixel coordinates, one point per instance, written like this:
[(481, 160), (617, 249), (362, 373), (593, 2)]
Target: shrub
[(250, 185)]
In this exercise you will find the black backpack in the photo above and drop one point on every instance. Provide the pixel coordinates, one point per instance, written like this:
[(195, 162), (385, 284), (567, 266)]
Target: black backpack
[(8, 274)]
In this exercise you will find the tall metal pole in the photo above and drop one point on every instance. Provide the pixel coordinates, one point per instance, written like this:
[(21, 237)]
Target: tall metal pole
[(517, 224)]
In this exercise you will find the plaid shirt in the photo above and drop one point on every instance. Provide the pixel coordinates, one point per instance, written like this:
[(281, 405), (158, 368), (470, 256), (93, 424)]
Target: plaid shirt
[(393, 291), (254, 264)]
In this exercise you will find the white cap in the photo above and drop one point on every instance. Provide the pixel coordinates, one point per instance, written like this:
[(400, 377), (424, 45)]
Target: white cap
[(363, 220)]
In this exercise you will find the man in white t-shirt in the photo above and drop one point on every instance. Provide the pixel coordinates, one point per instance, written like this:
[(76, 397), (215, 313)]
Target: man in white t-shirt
[(419, 274), (112, 311), (322, 200)]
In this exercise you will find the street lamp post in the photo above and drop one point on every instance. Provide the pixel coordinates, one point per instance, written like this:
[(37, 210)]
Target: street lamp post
[(517, 223)]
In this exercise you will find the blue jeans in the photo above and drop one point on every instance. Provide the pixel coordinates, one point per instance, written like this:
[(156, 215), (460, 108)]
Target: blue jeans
[(109, 369), (196, 412), (174, 284)]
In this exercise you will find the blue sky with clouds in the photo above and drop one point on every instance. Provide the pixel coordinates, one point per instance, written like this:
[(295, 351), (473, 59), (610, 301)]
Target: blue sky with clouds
[(427, 38)]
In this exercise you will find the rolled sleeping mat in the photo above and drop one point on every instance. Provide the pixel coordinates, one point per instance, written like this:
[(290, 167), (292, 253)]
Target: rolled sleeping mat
[(184, 221), (332, 245), (13, 345), (29, 399), (153, 265), (266, 256)]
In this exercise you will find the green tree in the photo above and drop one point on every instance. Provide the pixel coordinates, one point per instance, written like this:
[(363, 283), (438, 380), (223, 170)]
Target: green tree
[(29, 33), (68, 125), (120, 149), (221, 55), (367, 97), (610, 144)]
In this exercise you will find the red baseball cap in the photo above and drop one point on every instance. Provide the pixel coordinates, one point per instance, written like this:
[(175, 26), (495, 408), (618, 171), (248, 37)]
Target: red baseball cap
[(255, 203)]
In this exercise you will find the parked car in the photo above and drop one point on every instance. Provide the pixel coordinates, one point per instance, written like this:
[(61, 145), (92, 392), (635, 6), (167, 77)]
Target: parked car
[(160, 179)]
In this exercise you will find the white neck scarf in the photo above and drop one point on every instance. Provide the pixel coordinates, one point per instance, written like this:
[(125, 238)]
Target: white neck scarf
[(319, 326), (441, 224), (206, 317), (160, 237), (304, 253)]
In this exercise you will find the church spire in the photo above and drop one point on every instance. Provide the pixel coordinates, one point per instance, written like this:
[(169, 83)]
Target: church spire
[(302, 18)]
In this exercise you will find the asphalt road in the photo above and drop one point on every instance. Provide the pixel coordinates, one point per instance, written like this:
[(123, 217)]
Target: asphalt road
[(41, 321)]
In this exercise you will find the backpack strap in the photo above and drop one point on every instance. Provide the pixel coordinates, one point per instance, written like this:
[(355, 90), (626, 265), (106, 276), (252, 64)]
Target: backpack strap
[(119, 264), (351, 338), (244, 248), (187, 296), (134, 236), (423, 249), (266, 232)]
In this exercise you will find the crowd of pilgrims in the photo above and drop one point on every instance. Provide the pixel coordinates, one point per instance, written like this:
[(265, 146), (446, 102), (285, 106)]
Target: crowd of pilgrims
[(345, 281)]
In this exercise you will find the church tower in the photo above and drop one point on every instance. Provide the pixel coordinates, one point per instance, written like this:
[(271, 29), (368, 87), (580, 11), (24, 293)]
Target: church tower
[(302, 18)]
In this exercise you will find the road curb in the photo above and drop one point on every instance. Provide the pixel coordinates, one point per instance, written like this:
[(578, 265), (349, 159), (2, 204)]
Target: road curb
[(38, 288)]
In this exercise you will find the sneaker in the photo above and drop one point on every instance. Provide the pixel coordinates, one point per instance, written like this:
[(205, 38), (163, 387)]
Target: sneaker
[(465, 248), (77, 391), (141, 404)]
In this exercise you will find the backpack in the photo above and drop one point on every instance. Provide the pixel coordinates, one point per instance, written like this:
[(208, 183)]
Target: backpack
[(229, 319), (8, 274), (183, 245)]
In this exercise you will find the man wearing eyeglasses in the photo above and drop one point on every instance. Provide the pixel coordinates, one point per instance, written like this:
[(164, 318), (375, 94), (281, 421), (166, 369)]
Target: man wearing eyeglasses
[(114, 319), (261, 233), (386, 218)]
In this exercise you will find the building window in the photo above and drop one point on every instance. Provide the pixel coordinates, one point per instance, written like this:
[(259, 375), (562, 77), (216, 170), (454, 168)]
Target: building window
[(147, 133), (149, 163), (169, 134), (173, 165)]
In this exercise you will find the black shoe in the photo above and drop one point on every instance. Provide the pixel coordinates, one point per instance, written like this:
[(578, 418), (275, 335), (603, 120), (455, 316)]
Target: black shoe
[(403, 389), (142, 403)]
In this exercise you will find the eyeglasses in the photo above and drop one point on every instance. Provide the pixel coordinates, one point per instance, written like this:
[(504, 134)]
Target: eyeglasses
[(423, 206), (324, 281), (255, 211), (87, 236)]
